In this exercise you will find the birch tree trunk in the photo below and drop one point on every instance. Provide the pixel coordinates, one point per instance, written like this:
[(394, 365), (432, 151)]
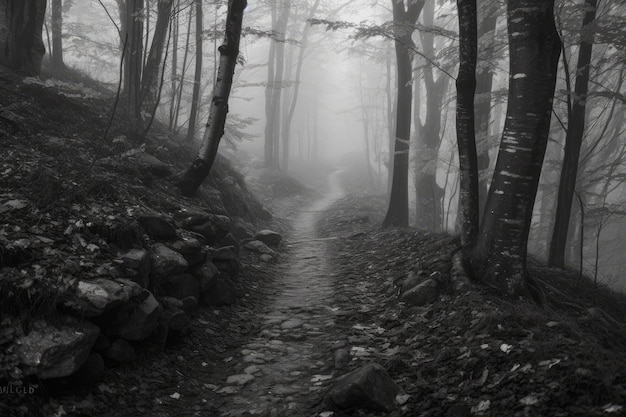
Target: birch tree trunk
[(498, 257), (201, 167)]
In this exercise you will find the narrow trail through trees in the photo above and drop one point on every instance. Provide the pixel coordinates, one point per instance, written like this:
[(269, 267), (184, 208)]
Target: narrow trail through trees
[(285, 364)]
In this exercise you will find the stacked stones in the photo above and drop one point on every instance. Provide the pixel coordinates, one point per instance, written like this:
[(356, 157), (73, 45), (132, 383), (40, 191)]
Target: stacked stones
[(187, 261)]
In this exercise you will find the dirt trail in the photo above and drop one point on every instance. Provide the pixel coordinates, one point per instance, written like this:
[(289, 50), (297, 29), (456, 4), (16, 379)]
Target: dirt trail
[(282, 368)]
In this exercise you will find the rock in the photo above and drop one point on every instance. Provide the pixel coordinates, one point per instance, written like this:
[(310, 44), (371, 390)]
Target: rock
[(206, 274), (166, 262), (422, 294), (259, 247), (341, 358), (413, 279), (120, 351), (91, 372), (190, 303), (157, 227), (136, 266), (269, 237), (102, 342), (228, 268), (181, 286), (54, 351), (231, 240), (239, 379), (137, 320), (225, 253), (174, 319), (212, 226), (241, 229), (93, 298), (459, 410), (368, 387), (191, 249), (221, 294), (266, 258)]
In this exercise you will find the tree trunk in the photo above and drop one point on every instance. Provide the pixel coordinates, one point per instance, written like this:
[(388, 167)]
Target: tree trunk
[(218, 110), (133, 62), (21, 43), (465, 128), (270, 134), (150, 77), (484, 84), (195, 100), (499, 254), (404, 19), (173, 73), (56, 18), (573, 141)]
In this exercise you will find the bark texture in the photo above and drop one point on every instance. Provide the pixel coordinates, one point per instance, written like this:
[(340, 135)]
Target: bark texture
[(498, 257), (195, 99), (21, 44)]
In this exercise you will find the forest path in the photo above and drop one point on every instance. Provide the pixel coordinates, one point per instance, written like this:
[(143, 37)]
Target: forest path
[(283, 366)]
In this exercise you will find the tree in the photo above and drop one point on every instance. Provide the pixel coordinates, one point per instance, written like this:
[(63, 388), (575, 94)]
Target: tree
[(404, 17), (465, 128), (195, 99), (56, 18), (499, 255), (132, 33), (573, 139), (21, 26), (201, 167), (154, 60)]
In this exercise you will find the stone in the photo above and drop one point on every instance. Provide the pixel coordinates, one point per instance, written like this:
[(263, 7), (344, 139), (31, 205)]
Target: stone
[(225, 253), (157, 227), (174, 318), (422, 294), (269, 237), (181, 286), (166, 262), (266, 258), (241, 229), (191, 249), (239, 379), (137, 320), (102, 342), (212, 226), (206, 274), (221, 294), (259, 247), (121, 351), (91, 372), (230, 240), (95, 297), (190, 303), (135, 264), (413, 279), (341, 359), (369, 387), (54, 351)]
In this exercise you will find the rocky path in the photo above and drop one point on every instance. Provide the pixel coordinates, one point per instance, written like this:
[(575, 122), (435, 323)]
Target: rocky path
[(283, 368)]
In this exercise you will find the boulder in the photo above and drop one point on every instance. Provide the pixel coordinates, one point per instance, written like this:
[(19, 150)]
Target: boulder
[(136, 321), (135, 264), (225, 253), (157, 227), (241, 229), (259, 247), (120, 351), (230, 240), (269, 237), (174, 318), (166, 262), (413, 279), (368, 387), (54, 351), (91, 372), (212, 226), (95, 297), (206, 274), (181, 286), (221, 294), (341, 359), (191, 249), (422, 294)]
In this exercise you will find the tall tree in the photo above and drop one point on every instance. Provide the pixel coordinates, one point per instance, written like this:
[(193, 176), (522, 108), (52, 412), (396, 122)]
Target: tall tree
[(573, 138), (201, 167), (499, 255), (195, 99), (154, 60), (56, 19), (405, 15), (133, 62), (21, 26), (465, 128)]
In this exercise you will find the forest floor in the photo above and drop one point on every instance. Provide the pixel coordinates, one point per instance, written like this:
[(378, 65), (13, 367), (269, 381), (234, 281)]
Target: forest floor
[(333, 288)]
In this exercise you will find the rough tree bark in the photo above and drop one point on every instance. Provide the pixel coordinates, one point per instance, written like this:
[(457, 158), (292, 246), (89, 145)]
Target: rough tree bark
[(21, 45), (56, 19), (465, 128), (270, 134), (498, 257), (154, 60), (218, 110), (195, 100), (404, 18), (133, 62), (573, 140)]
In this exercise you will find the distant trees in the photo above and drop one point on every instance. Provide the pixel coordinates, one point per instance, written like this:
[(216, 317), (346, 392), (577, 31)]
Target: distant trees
[(21, 44)]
